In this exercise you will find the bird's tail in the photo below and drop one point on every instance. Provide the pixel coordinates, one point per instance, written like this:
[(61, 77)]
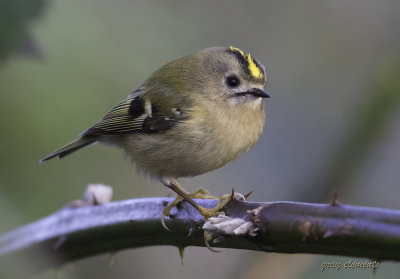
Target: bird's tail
[(70, 147)]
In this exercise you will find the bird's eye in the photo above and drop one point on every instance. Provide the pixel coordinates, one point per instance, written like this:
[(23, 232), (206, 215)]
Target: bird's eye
[(233, 81)]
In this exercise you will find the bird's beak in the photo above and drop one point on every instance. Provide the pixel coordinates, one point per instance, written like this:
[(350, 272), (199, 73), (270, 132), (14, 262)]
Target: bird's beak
[(258, 93)]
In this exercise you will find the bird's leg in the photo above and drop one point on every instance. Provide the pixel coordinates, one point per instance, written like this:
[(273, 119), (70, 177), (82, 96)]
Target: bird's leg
[(199, 194)]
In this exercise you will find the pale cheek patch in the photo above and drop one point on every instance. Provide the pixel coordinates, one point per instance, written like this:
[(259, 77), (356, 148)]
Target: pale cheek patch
[(257, 102), (254, 104), (233, 102)]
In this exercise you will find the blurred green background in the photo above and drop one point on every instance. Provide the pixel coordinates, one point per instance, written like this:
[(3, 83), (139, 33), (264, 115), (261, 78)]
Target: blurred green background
[(333, 122)]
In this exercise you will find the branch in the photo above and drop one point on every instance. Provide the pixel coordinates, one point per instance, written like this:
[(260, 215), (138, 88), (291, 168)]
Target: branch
[(285, 227)]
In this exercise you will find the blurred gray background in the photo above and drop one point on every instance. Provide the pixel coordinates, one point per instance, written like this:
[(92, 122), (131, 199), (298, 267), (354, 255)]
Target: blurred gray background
[(333, 122)]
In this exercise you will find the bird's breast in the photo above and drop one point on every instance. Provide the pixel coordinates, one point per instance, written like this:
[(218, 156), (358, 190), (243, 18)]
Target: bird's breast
[(205, 141), (236, 131)]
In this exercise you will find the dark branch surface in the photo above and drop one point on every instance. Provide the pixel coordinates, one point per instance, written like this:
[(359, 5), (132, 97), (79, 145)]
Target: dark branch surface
[(286, 227)]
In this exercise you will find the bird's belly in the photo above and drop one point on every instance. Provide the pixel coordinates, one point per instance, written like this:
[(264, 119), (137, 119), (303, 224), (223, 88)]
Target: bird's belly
[(191, 154), (169, 157)]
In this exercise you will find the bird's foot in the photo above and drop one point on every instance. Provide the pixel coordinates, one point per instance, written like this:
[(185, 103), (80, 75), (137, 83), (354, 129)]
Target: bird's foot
[(205, 212)]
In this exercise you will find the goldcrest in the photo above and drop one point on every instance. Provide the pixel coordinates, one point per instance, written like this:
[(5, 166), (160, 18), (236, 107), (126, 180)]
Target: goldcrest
[(193, 115)]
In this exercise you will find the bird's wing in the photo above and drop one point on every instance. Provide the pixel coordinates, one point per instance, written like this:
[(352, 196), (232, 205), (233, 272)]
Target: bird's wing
[(134, 114)]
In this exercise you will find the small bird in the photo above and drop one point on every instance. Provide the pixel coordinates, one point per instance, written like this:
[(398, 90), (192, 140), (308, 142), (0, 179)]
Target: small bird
[(193, 115)]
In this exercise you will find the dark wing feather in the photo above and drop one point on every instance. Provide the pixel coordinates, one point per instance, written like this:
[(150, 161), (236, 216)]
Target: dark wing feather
[(130, 116)]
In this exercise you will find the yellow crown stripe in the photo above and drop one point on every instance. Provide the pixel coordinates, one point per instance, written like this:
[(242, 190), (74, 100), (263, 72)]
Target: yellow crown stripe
[(253, 68), (239, 50)]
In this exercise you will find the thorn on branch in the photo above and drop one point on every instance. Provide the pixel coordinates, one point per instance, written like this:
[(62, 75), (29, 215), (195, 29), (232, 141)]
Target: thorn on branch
[(60, 241), (335, 201), (111, 259), (248, 194), (181, 250)]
